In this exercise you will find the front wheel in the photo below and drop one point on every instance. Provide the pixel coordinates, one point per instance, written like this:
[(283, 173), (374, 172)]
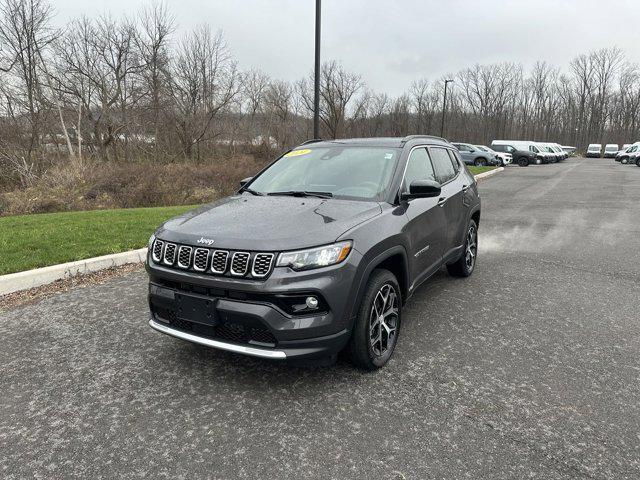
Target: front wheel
[(638, 162), (624, 160), (480, 162), (523, 162), (376, 328), (463, 267)]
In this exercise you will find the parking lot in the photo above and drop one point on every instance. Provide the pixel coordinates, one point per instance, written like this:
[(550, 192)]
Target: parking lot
[(528, 369)]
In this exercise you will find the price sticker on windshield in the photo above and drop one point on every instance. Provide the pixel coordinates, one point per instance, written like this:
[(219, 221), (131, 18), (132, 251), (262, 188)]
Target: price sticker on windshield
[(297, 153)]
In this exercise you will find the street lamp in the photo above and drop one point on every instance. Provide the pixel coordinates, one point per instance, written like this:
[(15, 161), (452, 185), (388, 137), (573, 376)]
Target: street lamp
[(444, 106), (316, 80)]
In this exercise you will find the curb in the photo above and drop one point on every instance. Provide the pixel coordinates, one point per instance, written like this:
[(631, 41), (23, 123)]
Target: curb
[(15, 282), (490, 173)]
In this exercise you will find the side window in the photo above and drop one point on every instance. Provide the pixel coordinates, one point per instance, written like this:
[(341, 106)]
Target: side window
[(454, 160), (442, 164), (418, 167)]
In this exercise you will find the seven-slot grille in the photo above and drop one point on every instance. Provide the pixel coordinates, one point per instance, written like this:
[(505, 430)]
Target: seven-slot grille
[(262, 264), (219, 262), (240, 263)]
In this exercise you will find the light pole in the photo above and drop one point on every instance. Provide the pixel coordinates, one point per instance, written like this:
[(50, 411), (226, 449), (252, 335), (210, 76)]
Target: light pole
[(316, 80), (444, 106)]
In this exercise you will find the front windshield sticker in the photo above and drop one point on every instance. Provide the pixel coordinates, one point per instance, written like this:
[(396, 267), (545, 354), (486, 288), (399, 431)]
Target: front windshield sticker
[(388, 156), (296, 153)]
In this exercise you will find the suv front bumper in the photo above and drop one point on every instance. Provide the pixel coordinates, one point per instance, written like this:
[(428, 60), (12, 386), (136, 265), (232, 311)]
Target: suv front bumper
[(245, 316)]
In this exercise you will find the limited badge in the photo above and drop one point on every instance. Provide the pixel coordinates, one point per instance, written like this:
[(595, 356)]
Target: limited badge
[(296, 153)]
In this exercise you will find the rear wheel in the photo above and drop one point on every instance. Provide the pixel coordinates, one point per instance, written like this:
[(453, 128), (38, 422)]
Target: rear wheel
[(480, 162), (523, 161), (638, 162), (376, 328), (464, 266)]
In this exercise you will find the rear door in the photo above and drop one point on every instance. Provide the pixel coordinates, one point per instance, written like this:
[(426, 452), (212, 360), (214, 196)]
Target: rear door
[(426, 225), (451, 198)]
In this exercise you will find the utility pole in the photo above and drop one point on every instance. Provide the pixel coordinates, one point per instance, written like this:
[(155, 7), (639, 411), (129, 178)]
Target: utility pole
[(316, 83), (444, 106)]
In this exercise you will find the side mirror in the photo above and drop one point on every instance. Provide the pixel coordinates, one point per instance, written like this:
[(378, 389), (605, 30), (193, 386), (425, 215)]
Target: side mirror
[(422, 189), (244, 181)]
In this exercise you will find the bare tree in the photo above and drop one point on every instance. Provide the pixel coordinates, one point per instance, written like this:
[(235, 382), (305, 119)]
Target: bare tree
[(204, 83), (337, 89)]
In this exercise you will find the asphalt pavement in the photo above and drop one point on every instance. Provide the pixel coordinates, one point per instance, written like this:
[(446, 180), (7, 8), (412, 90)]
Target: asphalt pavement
[(528, 369)]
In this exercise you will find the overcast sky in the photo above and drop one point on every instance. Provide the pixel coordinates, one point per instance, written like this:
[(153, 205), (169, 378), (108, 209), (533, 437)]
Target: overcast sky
[(391, 43)]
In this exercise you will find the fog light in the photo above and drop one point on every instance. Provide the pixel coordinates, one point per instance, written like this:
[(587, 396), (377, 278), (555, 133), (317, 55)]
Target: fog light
[(312, 302)]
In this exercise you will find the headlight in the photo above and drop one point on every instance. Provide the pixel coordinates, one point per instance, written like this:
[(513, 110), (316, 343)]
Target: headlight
[(315, 257), (152, 239)]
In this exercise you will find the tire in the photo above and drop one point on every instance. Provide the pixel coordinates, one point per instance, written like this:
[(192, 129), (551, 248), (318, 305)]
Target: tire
[(367, 345), (466, 264), (523, 161), (624, 160), (480, 162), (638, 162)]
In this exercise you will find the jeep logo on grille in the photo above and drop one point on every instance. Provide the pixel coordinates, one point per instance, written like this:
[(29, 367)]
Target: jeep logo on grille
[(206, 241)]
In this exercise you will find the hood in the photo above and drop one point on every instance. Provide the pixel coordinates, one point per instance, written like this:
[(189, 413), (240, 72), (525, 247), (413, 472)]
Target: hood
[(277, 223)]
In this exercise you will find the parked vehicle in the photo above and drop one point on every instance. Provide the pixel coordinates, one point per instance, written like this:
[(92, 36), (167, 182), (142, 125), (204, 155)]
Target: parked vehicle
[(558, 148), (318, 252), (569, 149), (521, 154), (610, 150), (625, 146), (633, 158), (594, 150), (623, 155), (472, 155), (505, 158), (549, 148)]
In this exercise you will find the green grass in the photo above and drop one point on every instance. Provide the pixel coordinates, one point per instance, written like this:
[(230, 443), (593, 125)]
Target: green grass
[(477, 170), (32, 241)]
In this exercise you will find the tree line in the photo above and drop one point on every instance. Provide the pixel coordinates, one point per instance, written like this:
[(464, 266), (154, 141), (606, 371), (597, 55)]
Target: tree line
[(132, 89)]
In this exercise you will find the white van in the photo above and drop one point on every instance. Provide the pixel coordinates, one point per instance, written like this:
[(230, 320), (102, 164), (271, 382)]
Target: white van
[(594, 150), (625, 154), (610, 150)]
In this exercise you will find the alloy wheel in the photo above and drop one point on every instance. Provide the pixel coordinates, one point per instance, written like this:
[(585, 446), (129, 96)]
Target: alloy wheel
[(471, 249), (383, 320)]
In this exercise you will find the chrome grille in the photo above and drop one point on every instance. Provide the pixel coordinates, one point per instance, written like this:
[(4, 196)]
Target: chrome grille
[(156, 253), (219, 261), (170, 253), (240, 263), (256, 265), (184, 256), (262, 264), (200, 258)]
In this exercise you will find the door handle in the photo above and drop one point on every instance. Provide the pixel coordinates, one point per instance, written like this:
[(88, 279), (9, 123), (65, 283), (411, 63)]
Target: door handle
[(442, 201)]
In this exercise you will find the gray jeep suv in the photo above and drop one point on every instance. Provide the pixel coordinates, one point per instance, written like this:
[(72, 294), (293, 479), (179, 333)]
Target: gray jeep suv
[(318, 252)]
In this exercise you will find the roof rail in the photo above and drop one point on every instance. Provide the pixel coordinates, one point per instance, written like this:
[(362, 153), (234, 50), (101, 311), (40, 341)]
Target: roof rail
[(313, 140), (413, 137)]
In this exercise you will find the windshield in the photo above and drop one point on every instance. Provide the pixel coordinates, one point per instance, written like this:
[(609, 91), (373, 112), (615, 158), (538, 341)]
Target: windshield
[(594, 148), (351, 172), (611, 148), (484, 149)]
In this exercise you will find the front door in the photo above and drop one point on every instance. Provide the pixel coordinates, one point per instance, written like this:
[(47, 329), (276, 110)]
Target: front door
[(426, 226)]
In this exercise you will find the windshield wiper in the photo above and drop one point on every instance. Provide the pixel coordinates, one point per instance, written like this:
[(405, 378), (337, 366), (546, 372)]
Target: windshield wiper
[(303, 193), (252, 192)]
